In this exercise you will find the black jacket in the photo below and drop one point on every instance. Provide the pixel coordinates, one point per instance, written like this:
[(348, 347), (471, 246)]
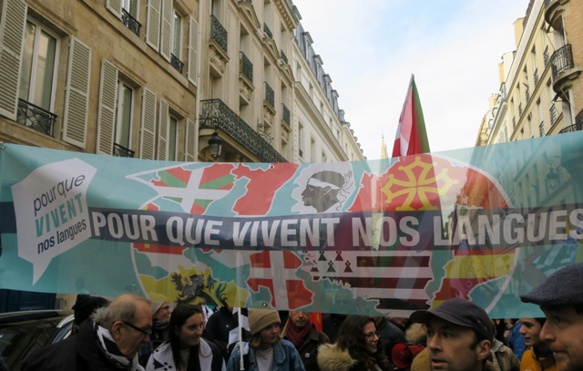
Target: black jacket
[(80, 352)]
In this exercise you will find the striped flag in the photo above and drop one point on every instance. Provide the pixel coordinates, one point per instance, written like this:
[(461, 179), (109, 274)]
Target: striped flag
[(411, 136)]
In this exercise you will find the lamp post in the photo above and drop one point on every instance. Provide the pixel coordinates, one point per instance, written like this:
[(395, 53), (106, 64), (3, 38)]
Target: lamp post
[(216, 145)]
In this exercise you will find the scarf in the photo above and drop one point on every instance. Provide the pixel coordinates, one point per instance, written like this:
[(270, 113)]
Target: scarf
[(112, 352), (297, 336)]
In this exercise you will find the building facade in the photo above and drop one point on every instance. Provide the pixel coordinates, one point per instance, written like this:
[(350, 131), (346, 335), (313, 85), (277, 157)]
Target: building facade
[(540, 94), (167, 80)]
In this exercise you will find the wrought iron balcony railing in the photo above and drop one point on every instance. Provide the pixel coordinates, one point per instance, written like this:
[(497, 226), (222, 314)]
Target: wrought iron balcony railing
[(130, 22), (269, 94), (245, 66), (562, 60), (176, 63), (121, 151), (578, 125), (35, 117), (214, 113), (267, 31), (218, 33), (283, 57), (286, 115), (554, 115)]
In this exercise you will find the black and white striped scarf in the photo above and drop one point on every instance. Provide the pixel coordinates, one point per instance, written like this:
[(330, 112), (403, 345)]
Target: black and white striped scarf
[(112, 352)]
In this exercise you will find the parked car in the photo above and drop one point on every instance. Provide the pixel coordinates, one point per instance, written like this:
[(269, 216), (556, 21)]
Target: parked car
[(21, 333)]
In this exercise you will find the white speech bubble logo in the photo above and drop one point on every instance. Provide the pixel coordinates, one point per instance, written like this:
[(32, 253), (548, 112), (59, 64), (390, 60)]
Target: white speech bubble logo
[(50, 205)]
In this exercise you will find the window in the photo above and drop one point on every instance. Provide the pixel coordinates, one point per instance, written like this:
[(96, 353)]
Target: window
[(176, 53), (172, 138), (130, 15), (123, 125), (38, 71)]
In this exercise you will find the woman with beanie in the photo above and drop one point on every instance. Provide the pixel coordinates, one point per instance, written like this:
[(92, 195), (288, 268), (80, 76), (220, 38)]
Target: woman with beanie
[(266, 351), (357, 348), (186, 350)]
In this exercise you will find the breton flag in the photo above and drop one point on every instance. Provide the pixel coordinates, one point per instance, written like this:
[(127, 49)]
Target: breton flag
[(411, 136)]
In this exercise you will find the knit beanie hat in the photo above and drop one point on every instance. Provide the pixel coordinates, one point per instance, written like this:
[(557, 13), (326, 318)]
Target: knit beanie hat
[(85, 305), (262, 318), (156, 305)]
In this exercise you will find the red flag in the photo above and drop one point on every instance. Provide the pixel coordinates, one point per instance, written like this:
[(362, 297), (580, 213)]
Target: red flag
[(411, 135)]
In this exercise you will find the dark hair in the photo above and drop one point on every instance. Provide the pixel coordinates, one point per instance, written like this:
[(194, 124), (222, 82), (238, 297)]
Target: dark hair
[(541, 320), (178, 318), (351, 337)]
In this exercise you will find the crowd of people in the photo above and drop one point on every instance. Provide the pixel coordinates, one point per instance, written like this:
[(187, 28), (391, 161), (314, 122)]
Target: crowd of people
[(132, 333)]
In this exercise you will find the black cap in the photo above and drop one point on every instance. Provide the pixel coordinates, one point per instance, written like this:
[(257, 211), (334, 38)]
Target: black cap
[(564, 287), (459, 312)]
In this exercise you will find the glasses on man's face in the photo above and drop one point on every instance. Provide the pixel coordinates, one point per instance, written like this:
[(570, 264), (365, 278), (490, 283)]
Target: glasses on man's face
[(147, 332), (371, 335)]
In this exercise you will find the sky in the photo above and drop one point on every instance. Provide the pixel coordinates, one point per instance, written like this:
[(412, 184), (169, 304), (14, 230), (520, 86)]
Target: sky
[(370, 49)]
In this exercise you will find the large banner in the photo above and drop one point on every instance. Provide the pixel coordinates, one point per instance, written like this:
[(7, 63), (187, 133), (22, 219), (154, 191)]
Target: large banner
[(378, 237)]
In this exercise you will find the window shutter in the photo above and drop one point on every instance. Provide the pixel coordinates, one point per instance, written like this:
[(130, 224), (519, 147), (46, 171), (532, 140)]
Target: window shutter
[(193, 51), (163, 127), (12, 22), (77, 94), (114, 6), (190, 143), (166, 29), (148, 129), (107, 104), (153, 24)]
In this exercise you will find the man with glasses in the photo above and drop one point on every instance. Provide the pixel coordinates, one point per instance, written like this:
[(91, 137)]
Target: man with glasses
[(459, 337), (110, 341)]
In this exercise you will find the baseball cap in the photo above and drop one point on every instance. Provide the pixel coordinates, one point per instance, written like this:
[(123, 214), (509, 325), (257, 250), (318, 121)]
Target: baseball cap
[(459, 312)]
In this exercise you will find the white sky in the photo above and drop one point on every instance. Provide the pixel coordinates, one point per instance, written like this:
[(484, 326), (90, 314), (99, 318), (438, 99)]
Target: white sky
[(370, 48)]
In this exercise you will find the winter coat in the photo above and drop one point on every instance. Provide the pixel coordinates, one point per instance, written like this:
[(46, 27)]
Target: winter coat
[(285, 358), (503, 358), (79, 352), (309, 349), (209, 357), (332, 358), (530, 361), (422, 362)]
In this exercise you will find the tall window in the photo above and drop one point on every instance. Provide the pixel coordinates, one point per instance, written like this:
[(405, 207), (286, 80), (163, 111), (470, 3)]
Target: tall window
[(131, 6), (177, 39), (172, 138), (38, 66), (123, 125)]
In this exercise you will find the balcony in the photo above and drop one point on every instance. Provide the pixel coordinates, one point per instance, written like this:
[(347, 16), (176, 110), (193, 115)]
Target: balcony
[(218, 33), (130, 22), (283, 57), (286, 115), (121, 151), (35, 117), (578, 125), (269, 96), (215, 114), (176, 63), (267, 31), (245, 67), (562, 67)]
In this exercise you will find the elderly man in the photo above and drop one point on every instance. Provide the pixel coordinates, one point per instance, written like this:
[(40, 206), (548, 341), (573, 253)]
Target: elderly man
[(561, 299), (459, 337), (109, 342), (305, 337)]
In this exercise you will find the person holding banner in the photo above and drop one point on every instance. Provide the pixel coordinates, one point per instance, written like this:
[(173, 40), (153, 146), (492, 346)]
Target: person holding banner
[(109, 342), (266, 350), (186, 350), (561, 299), (358, 348)]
